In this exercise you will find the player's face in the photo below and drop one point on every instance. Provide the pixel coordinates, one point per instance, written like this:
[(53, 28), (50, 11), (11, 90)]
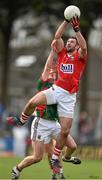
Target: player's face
[(71, 44), (52, 77)]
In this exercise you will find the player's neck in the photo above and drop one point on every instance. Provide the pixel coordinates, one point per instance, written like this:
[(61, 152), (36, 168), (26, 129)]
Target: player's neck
[(71, 53)]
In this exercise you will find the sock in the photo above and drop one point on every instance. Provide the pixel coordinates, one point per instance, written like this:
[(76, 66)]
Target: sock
[(61, 170), (24, 118), (56, 153), (18, 169), (50, 164)]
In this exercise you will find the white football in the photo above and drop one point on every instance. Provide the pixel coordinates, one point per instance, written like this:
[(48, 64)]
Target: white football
[(71, 11)]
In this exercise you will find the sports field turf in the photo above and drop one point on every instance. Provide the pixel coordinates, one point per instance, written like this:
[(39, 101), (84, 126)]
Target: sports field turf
[(89, 169)]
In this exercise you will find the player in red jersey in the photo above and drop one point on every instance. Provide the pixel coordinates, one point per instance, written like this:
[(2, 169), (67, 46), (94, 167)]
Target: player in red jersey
[(71, 63)]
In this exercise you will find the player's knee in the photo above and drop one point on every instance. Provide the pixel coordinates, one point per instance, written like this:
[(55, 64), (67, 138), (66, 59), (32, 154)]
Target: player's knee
[(39, 157), (36, 159), (64, 132)]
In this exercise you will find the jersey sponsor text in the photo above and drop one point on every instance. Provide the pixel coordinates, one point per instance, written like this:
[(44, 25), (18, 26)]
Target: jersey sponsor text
[(67, 68)]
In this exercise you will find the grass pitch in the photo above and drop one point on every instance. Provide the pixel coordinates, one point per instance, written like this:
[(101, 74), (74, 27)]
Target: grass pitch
[(89, 169)]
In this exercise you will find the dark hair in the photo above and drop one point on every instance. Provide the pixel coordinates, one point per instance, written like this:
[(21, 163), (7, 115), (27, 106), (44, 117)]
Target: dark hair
[(73, 37)]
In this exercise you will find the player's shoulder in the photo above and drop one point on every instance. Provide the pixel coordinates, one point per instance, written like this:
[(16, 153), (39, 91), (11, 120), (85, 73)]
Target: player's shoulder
[(82, 54), (81, 57)]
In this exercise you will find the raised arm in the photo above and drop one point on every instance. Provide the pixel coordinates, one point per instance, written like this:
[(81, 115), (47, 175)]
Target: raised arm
[(57, 43), (81, 41), (48, 66), (61, 30)]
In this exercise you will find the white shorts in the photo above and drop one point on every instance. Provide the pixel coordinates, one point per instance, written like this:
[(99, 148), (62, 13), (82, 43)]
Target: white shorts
[(65, 100), (44, 130)]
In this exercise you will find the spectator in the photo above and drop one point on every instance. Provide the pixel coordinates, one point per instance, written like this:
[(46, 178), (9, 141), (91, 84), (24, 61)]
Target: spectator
[(85, 128)]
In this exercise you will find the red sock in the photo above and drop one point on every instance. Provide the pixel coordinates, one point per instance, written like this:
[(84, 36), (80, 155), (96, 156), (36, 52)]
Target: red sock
[(56, 153), (24, 117)]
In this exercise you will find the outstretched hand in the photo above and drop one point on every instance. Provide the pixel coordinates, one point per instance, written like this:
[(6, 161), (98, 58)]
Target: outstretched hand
[(75, 22), (13, 120)]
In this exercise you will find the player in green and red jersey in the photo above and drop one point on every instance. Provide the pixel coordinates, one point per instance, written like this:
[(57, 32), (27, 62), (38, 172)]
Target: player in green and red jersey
[(45, 126)]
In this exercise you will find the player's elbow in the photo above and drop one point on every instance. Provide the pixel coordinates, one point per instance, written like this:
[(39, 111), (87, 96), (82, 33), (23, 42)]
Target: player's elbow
[(57, 36), (84, 47), (57, 45), (38, 159), (84, 51)]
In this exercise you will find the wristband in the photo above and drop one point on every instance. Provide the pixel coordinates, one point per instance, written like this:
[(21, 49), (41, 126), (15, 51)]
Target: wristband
[(76, 29)]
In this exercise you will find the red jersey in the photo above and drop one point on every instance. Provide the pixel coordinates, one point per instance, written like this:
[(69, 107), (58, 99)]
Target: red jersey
[(70, 69)]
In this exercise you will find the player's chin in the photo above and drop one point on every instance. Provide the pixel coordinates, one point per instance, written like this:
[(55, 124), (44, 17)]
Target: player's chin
[(70, 49)]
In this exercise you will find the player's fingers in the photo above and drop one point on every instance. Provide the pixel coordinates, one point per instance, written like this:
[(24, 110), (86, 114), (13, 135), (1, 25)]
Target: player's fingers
[(72, 21), (77, 18)]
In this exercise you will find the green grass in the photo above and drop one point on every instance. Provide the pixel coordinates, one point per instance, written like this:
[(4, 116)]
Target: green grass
[(89, 169)]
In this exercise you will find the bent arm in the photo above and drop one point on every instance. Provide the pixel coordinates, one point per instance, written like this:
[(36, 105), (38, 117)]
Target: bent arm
[(60, 30), (82, 44), (57, 43), (75, 22), (48, 66)]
